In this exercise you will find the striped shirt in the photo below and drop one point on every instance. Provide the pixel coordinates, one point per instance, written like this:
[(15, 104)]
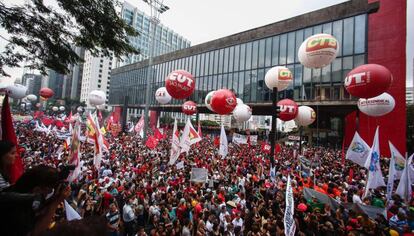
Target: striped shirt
[(113, 218), (3, 183)]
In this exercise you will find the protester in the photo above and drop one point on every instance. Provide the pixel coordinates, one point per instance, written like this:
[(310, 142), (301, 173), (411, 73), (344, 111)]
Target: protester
[(139, 193)]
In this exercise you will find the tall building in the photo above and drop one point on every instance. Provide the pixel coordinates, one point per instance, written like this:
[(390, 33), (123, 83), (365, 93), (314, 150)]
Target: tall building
[(166, 40), (73, 81), (55, 82), (239, 62), (32, 82), (96, 76)]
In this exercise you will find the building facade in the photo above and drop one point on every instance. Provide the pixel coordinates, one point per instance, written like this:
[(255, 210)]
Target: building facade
[(166, 40), (239, 62), (33, 83), (73, 80), (96, 76)]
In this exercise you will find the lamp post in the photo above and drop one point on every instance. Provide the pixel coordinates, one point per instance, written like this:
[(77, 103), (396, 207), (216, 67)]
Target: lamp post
[(277, 79), (157, 7)]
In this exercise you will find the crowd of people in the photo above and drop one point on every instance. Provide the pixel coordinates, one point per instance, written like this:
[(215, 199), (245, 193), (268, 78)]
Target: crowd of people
[(136, 191)]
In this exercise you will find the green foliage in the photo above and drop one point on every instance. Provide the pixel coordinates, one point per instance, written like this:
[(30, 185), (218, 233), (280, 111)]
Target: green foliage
[(209, 123), (44, 36), (166, 120)]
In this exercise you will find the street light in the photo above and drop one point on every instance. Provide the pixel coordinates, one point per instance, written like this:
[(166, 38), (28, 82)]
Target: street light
[(157, 8), (277, 79)]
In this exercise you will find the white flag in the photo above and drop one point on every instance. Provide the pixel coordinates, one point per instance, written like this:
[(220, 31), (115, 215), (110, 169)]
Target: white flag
[(358, 150), (399, 161), (404, 187), (71, 214), (391, 177), (175, 145), (375, 178), (189, 137), (288, 220), (139, 127), (224, 146)]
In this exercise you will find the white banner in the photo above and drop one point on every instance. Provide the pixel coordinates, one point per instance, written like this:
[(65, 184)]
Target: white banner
[(175, 145), (358, 150), (288, 220), (224, 146), (199, 175), (239, 138)]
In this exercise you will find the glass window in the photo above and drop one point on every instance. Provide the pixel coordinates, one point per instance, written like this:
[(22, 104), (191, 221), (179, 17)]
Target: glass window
[(261, 87), (291, 48), (347, 65), (220, 61), (308, 32), (232, 85), (246, 88), (359, 60), (299, 41), (210, 83), (336, 70), (268, 52), (225, 82), (220, 81), (216, 62), (327, 28), (326, 74), (226, 60), (348, 36), (298, 75), (248, 56), (275, 51), (307, 75), (236, 58), (360, 31), (231, 59), (211, 63), (253, 83), (242, 57), (316, 75), (239, 84), (255, 53), (317, 29), (201, 64), (337, 33), (282, 49)]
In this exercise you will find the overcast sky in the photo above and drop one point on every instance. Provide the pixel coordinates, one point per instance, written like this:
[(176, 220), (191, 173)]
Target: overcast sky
[(204, 20)]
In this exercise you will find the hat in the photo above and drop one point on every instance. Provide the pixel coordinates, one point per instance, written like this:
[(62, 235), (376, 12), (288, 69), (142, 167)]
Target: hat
[(232, 204)]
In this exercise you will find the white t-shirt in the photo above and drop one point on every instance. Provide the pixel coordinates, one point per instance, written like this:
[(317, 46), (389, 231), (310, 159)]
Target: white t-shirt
[(356, 199), (238, 222)]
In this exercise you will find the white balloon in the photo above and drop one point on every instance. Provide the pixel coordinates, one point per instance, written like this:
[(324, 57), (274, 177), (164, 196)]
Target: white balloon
[(278, 76), (306, 116), (55, 108), (61, 108), (162, 96), (239, 101), (97, 97), (318, 51), (377, 106), (31, 97), (207, 100), (6, 82), (242, 112), (16, 91)]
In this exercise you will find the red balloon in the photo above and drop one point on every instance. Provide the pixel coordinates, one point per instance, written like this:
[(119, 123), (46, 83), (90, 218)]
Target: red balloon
[(288, 109), (180, 84), (223, 101), (368, 81), (189, 108), (46, 93)]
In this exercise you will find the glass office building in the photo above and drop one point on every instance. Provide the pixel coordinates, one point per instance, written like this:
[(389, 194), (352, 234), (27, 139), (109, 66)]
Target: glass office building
[(166, 40), (239, 62)]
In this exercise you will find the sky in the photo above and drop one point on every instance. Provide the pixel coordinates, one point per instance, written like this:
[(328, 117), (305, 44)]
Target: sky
[(203, 20)]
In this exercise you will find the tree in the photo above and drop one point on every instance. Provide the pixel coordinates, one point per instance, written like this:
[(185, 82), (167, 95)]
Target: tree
[(44, 36)]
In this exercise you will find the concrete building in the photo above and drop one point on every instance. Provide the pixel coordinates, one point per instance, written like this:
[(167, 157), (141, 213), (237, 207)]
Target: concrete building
[(32, 82), (96, 76), (55, 82), (72, 82), (239, 62), (166, 40)]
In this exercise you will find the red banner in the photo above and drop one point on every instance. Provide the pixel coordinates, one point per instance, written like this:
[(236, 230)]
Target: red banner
[(152, 142)]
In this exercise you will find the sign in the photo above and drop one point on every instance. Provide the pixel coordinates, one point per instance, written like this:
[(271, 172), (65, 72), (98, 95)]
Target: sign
[(199, 175)]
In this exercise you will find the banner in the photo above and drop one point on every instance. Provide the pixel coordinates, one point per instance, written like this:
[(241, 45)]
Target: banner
[(288, 220), (199, 175), (399, 161), (404, 186), (243, 139), (358, 150), (375, 178), (139, 126), (190, 136)]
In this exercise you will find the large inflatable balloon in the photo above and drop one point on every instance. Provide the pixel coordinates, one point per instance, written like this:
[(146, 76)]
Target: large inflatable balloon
[(288, 109), (318, 51), (6, 82), (31, 97), (278, 76), (97, 97), (16, 91), (61, 108), (180, 84), (189, 108), (377, 106), (207, 100), (239, 101), (162, 96), (306, 116), (55, 109), (46, 93), (223, 101), (242, 112), (367, 81)]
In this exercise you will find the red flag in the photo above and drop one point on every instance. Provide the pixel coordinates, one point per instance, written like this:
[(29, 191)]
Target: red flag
[(9, 134), (199, 129), (266, 148), (37, 114), (152, 142), (47, 121), (278, 148), (157, 134), (59, 123), (217, 141)]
